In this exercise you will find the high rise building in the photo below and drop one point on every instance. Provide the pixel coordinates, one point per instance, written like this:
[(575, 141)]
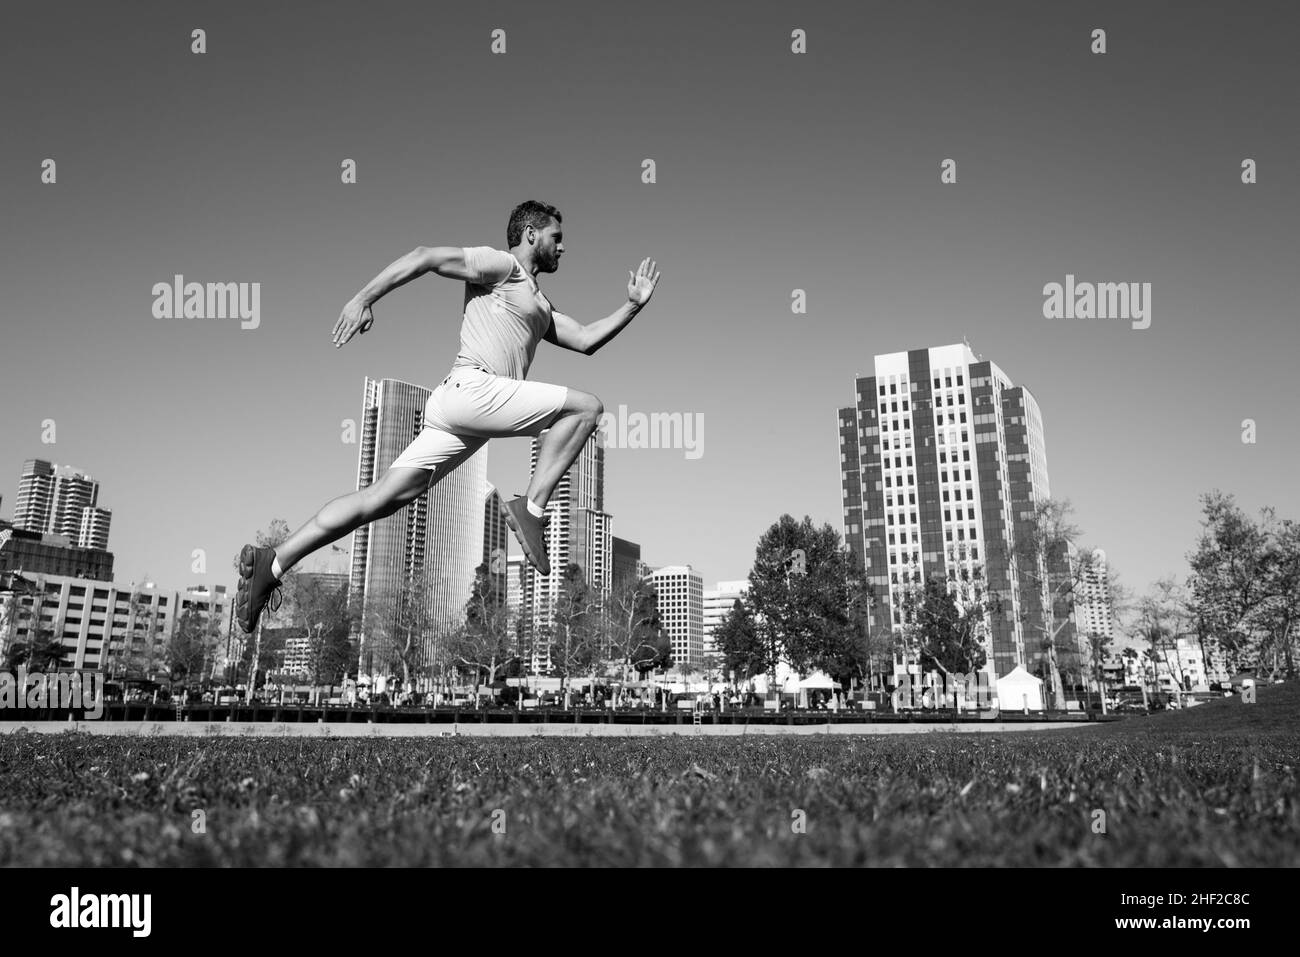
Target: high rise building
[(93, 530), (942, 464), (680, 592), (496, 539), (414, 568), (496, 534), (61, 500), (1092, 601), (1043, 566), (115, 628), (626, 558), (534, 654), (577, 532), (717, 603), (35, 496)]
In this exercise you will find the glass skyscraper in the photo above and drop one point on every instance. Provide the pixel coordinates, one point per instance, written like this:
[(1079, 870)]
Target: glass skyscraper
[(428, 551)]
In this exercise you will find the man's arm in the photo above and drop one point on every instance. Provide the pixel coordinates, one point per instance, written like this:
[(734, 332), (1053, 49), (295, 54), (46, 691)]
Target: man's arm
[(568, 333), (475, 264)]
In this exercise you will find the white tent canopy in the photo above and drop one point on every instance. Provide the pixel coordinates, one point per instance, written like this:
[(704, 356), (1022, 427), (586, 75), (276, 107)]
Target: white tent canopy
[(1019, 689), (817, 681)]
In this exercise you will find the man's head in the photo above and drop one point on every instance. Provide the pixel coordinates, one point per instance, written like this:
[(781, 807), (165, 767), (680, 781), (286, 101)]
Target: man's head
[(535, 234)]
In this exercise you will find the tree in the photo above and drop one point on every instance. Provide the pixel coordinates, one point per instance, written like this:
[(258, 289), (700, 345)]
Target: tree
[(1228, 575), (397, 634), (799, 594), (1245, 585), (1161, 622), (142, 657), (652, 654), (1133, 662), (263, 656), (1041, 554), (633, 628), (711, 665), (9, 610), (944, 635), (326, 619), (574, 640), (188, 649), (744, 651), (40, 651), (1279, 614), (1097, 648), (870, 649), (413, 633), (483, 644)]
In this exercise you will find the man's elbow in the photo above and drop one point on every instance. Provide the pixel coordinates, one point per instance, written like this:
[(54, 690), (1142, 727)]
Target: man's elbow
[(590, 344), (425, 259)]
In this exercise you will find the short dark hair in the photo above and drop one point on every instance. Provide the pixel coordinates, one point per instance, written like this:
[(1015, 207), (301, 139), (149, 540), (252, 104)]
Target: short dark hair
[(530, 213)]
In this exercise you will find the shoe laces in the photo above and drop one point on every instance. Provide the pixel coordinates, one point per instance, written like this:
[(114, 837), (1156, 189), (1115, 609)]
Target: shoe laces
[(273, 603)]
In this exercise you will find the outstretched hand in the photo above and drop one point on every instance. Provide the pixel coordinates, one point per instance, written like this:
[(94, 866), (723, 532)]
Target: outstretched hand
[(642, 284), (355, 318)]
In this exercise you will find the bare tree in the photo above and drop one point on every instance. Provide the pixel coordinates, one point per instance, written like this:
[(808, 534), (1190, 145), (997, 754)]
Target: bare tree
[(1162, 622), (1043, 559), (631, 623), (482, 644), (574, 641)]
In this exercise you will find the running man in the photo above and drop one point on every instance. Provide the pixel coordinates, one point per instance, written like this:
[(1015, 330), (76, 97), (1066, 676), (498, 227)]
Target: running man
[(486, 394)]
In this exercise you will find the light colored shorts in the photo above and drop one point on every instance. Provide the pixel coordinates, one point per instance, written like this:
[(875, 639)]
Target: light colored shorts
[(471, 406)]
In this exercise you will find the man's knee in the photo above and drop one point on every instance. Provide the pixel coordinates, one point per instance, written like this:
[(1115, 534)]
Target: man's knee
[(589, 406)]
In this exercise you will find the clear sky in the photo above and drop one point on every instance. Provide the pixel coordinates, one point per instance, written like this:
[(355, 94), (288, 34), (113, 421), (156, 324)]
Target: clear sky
[(775, 171)]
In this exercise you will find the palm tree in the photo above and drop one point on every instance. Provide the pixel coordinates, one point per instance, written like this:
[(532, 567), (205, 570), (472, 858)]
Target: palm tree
[(41, 652)]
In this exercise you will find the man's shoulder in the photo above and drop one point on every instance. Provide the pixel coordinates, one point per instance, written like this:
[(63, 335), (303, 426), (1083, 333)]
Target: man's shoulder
[(491, 264), (492, 253)]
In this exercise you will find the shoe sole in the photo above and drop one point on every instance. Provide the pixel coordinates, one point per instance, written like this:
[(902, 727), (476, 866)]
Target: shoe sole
[(247, 557), (523, 542)]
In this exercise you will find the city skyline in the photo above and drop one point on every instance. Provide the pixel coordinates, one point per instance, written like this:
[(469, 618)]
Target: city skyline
[(776, 172)]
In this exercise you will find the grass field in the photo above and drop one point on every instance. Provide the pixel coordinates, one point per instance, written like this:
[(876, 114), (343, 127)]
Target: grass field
[(1215, 786)]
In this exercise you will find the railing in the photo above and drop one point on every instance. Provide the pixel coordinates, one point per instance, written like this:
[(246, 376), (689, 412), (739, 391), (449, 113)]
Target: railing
[(387, 714)]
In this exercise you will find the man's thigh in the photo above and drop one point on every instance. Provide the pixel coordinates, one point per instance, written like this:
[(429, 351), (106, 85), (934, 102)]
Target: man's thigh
[(438, 451), (474, 403)]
